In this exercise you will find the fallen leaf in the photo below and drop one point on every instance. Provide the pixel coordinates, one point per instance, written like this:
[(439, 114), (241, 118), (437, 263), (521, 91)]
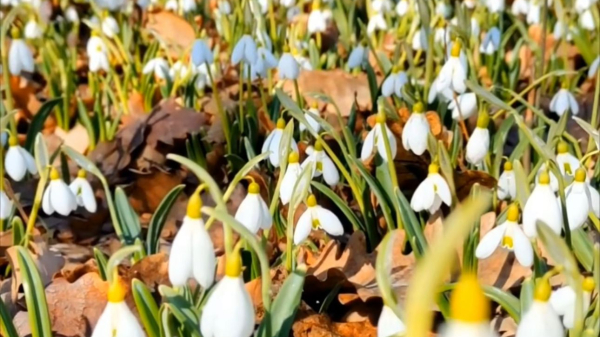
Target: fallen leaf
[(173, 32), (76, 138), (310, 324)]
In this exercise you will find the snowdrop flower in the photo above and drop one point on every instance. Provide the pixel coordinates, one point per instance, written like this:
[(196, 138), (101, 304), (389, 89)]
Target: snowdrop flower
[(224, 7), (303, 61), (273, 144), (265, 61), (20, 57), (491, 42), (583, 5), (443, 9), (479, 143), (291, 176), (375, 140), (431, 192), (229, 310), (253, 212), (594, 67), (5, 204), (358, 57), (475, 28), (381, 6), (446, 95), (201, 53), (533, 14), (507, 183), (97, 54), (288, 3), (562, 31), (322, 164), (562, 301), (116, 319), (244, 50), (318, 19), (389, 324), (84, 195), (441, 35), (586, 20), (110, 27), (376, 23), (288, 67), (316, 217), (402, 7), (495, 6), (542, 206), (202, 76), (453, 73), (467, 106), (18, 161), (540, 320), (553, 179), (310, 115), (419, 40), (192, 253), (577, 200), (469, 310), (157, 66), (562, 101), (33, 30), (180, 70), (520, 7), (58, 197), (567, 163), (416, 131), (172, 5), (263, 7), (187, 6), (71, 14), (510, 236), (394, 83)]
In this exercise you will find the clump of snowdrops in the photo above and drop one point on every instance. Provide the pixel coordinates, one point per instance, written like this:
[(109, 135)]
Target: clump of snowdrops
[(546, 193)]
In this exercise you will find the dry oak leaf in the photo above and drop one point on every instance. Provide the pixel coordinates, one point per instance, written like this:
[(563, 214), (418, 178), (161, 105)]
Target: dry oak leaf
[(310, 324), (172, 31)]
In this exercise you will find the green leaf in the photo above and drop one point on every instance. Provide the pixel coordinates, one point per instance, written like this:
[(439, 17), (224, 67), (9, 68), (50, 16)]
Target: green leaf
[(147, 307), (522, 183), (128, 219), (182, 310), (526, 296), (82, 161), (373, 88), (18, 230), (486, 95), (158, 219), (379, 193), (411, 225), (279, 319), (341, 204), (37, 123), (7, 328), (41, 155), (447, 167), (583, 248), (35, 296), (5, 119), (101, 262)]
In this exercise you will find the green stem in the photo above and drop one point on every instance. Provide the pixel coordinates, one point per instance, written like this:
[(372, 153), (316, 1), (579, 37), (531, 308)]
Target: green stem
[(299, 98), (37, 201)]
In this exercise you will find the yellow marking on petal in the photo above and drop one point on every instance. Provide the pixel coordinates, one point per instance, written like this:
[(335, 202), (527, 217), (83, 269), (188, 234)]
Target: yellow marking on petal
[(468, 303), (580, 175), (194, 205), (315, 224), (117, 290), (508, 166), (543, 290), (507, 242), (544, 178), (280, 123), (435, 188), (320, 166), (568, 169), (54, 175), (253, 188), (311, 201), (513, 213), (293, 158), (13, 141), (589, 284), (233, 267), (562, 148)]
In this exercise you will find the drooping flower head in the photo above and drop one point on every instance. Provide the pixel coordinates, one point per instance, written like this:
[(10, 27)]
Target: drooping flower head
[(540, 320), (416, 131)]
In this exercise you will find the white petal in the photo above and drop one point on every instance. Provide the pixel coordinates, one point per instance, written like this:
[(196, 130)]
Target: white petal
[(46, 204), (540, 321), (5, 205), (490, 242), (329, 221), (104, 326), (541, 206), (238, 305), (248, 212), (477, 146), (14, 164), (423, 197), (468, 106), (387, 88), (522, 247), (563, 300), (303, 227), (127, 325), (389, 324), (61, 198), (287, 184), (29, 161), (203, 255), (330, 171), (594, 200), (578, 205), (443, 190), (368, 145), (266, 218), (381, 143), (573, 105), (274, 145), (180, 257)]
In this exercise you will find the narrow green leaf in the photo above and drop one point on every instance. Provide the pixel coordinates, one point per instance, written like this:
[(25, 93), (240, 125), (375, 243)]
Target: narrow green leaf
[(526, 296), (128, 219), (82, 161), (5, 119), (486, 95), (381, 196), (158, 219), (18, 230), (583, 248), (101, 261), (341, 204), (41, 154), (7, 328), (523, 190), (411, 225), (37, 123), (181, 309), (147, 308)]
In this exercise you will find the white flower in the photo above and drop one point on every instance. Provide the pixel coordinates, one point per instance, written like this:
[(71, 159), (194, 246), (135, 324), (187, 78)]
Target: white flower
[(567, 163), (310, 115), (172, 5), (491, 42), (202, 77), (441, 36), (97, 54), (304, 62), (542, 206), (273, 144), (263, 7), (358, 57), (18, 161), (33, 30), (244, 50), (229, 310), (375, 140), (71, 14), (58, 197), (322, 164), (467, 106), (389, 324), (445, 95), (157, 66), (110, 27), (288, 67), (381, 6), (533, 15), (402, 7), (116, 319), (583, 5), (520, 7), (510, 236), (475, 28), (562, 301), (586, 20), (453, 73), (288, 3), (224, 7), (187, 5), (192, 253), (562, 31), (318, 20), (265, 61), (394, 83), (553, 180), (577, 200), (201, 53), (562, 101), (479, 143), (443, 9), (253, 212), (5, 205), (180, 70), (20, 57), (495, 6), (507, 183), (291, 176), (376, 22), (293, 13), (594, 67), (316, 217), (416, 131), (540, 320), (431, 192), (84, 195), (419, 40)]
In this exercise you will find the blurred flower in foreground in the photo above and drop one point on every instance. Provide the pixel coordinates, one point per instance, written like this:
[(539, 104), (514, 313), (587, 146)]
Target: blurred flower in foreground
[(469, 310), (416, 131), (273, 143), (540, 320), (594, 67), (58, 197), (577, 200), (562, 101), (18, 161), (20, 57), (97, 54), (510, 236), (520, 7), (542, 206), (288, 67), (253, 212), (83, 192), (110, 27), (562, 301), (358, 57), (534, 13), (389, 324), (491, 41), (32, 30), (375, 139), (394, 83), (245, 50), (201, 53), (322, 164), (229, 310), (507, 184), (315, 217), (192, 253), (402, 7), (431, 192), (116, 319), (5, 204), (318, 18), (495, 6), (479, 143), (157, 66)]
